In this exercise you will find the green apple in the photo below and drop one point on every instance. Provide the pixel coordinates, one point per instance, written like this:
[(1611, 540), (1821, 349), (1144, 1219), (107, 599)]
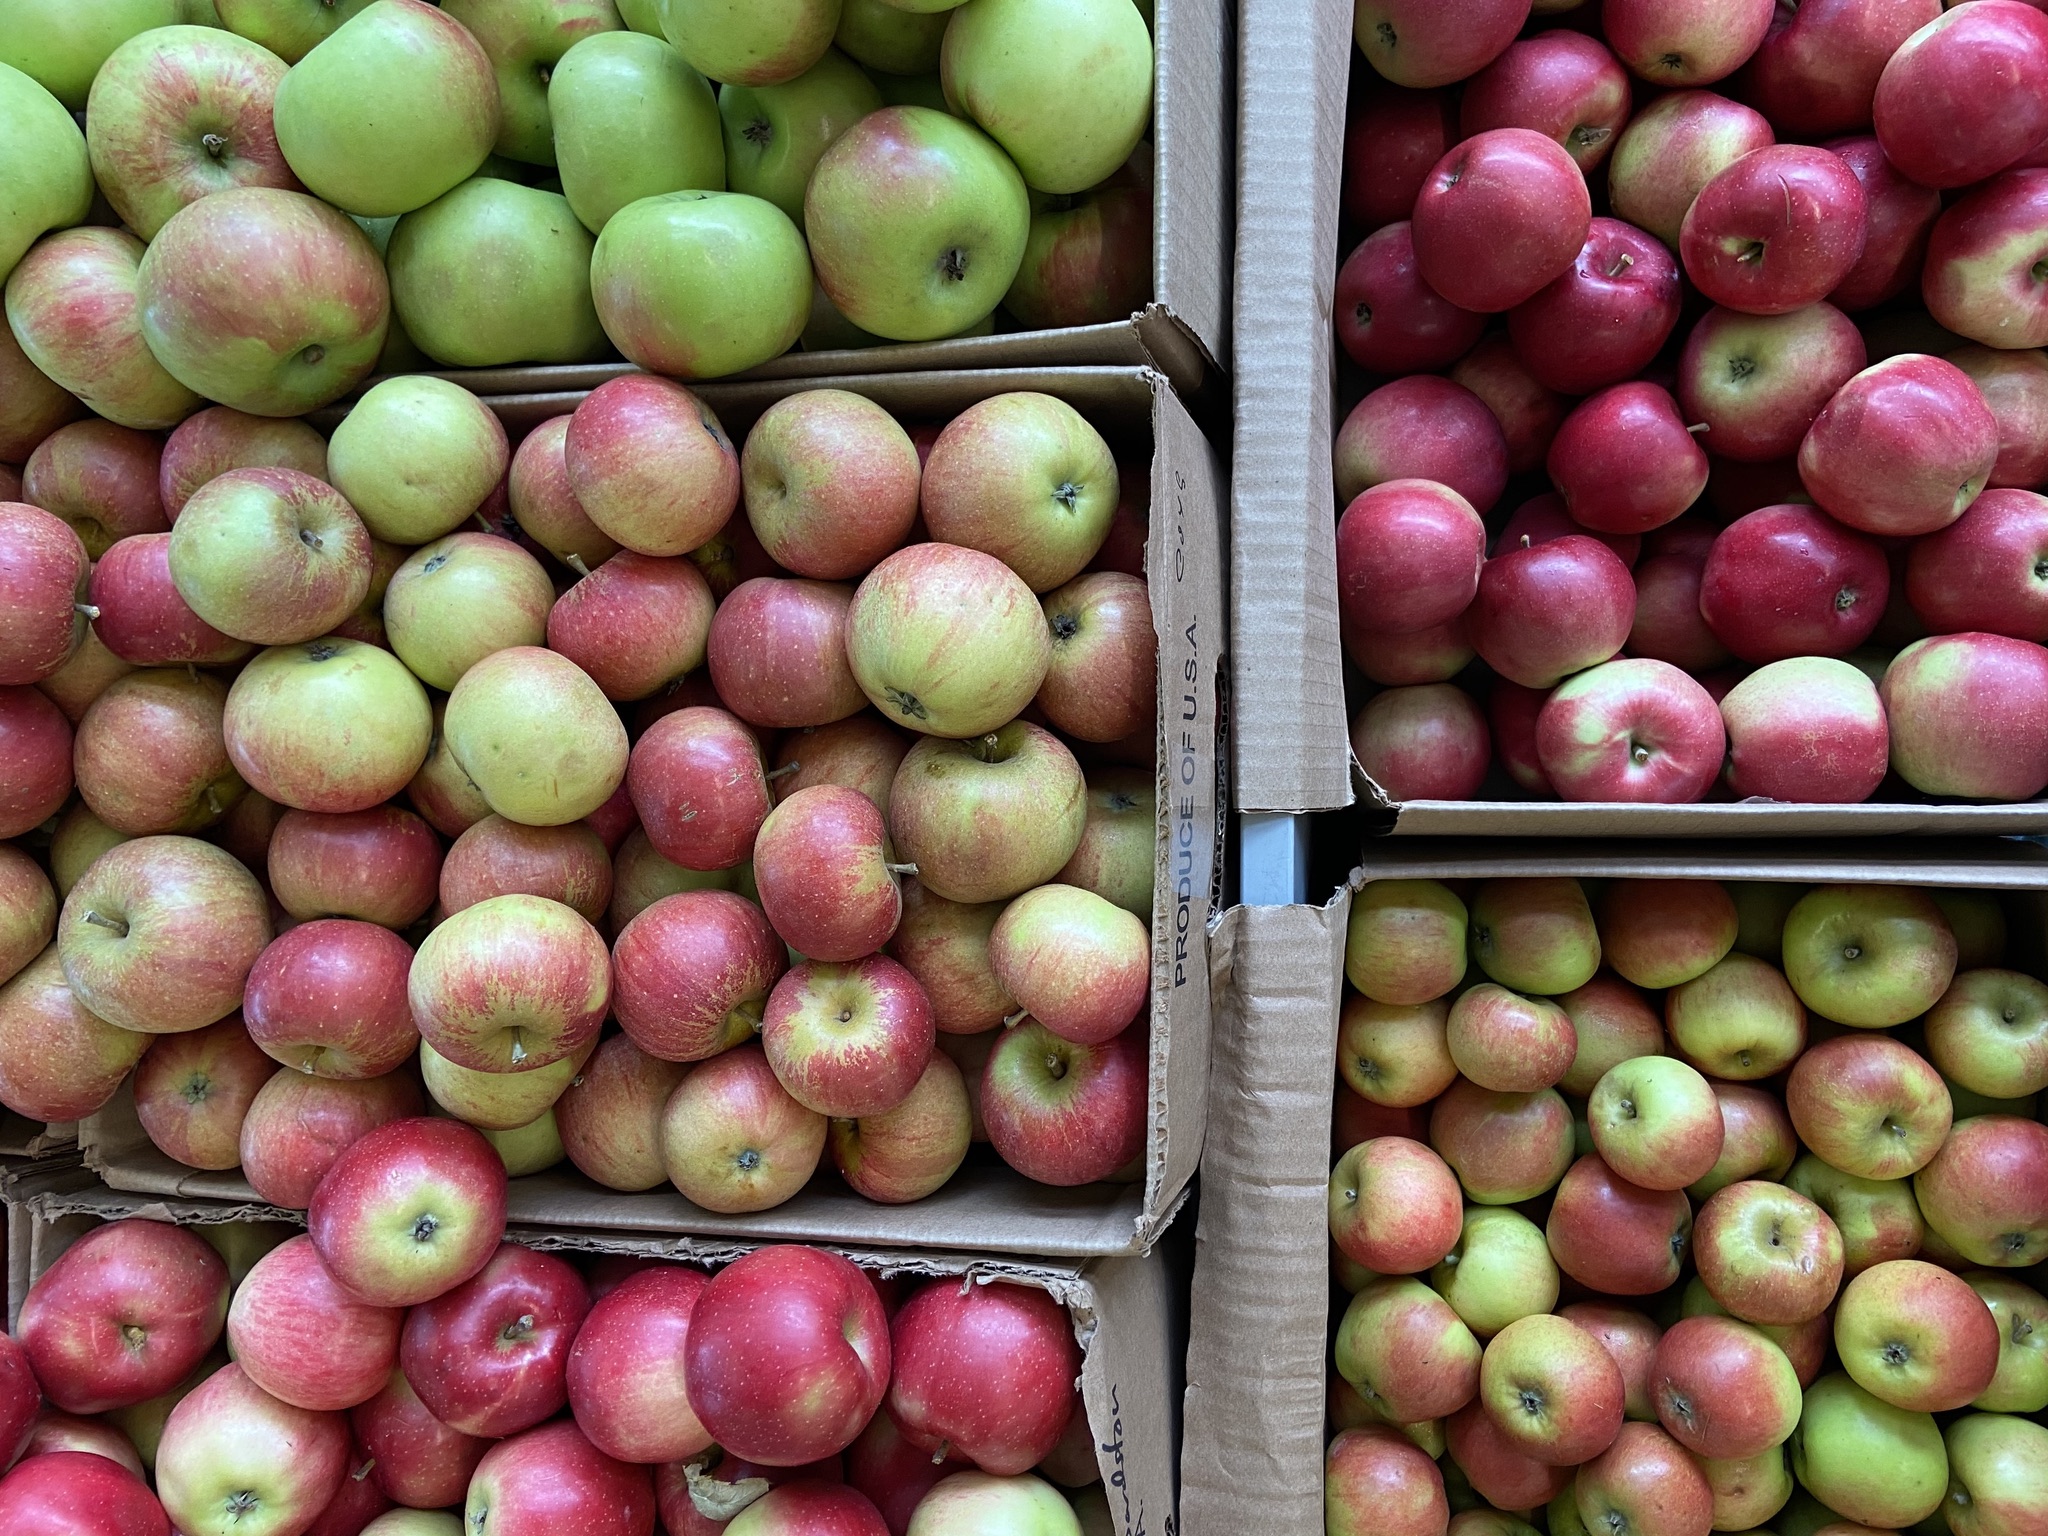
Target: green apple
[(271, 556), (1501, 1270), (2021, 1382), (199, 13), (632, 120), (1989, 1032), (1869, 956), (827, 330), (1064, 85), (495, 273), (643, 16), (498, 1101), (531, 1148), (43, 167), (526, 39), (917, 223), (1748, 1490), (416, 457), (1879, 1219), (1865, 1459), (392, 110), (1760, 910), (881, 35), (776, 134), (1997, 1475), (62, 43), (457, 600), (1405, 942), (332, 725), (1535, 935), (700, 284), (401, 354), (750, 42), (291, 29), (536, 736)]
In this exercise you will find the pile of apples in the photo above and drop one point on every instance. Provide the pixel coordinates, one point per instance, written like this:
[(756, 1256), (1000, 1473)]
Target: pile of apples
[(1776, 1149), (1740, 498), (402, 1370), (355, 788), (270, 199)]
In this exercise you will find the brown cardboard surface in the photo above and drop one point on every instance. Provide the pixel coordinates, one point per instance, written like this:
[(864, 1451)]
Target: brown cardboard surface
[(1741, 818), (1291, 742), (1122, 1310), (1139, 413), (1261, 1301), (20, 1137)]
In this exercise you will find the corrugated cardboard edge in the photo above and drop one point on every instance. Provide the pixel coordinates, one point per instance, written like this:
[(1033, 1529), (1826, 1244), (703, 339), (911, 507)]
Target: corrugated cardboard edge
[(1289, 726), (1252, 1455), (22, 1137), (1121, 1310)]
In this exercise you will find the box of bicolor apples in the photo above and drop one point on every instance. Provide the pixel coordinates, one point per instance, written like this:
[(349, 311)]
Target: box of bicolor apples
[(1769, 1078)]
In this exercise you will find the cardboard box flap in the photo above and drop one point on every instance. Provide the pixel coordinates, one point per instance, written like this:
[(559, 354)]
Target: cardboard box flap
[(2002, 864), (22, 1137), (1255, 1400), (1194, 57)]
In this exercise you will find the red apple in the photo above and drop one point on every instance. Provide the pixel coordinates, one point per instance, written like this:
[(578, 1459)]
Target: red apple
[(1395, 1206), (692, 973), (1616, 1237), (1103, 683), (1767, 1254), (490, 1357), (1542, 519), (42, 593), (1904, 447), (944, 944), (2015, 386), (1391, 142), (1645, 1481), (496, 857), (510, 984), (409, 1210), (1422, 428), (1496, 1468), (822, 865), (1552, 1389), (1817, 67), (778, 656), (1969, 716), (725, 1481), (206, 446), (1722, 1389), (1624, 461), (1609, 314), (1685, 42), (381, 865), (912, 1150), (1419, 44), (862, 752), (831, 483), (1505, 1147), (1434, 655), (986, 1370), (625, 1375), (1671, 149), (1809, 728), (1966, 95), (1563, 84), (193, 1092), (35, 760), (1423, 743), (1508, 1043), (1377, 1479), (650, 466), (1668, 624), (1775, 231), (419, 1461), (848, 1040), (1529, 415), (1062, 1113), (1631, 1338), (1916, 1336), (636, 623), (99, 478), (1981, 259), (1408, 556), (553, 1479), (329, 998), (141, 617), (1758, 381), (895, 1474), (1498, 217), (297, 1126), (304, 1339), (545, 505), (58, 1061), (1899, 214), (75, 1493), (699, 788), (1789, 581), (1388, 319), (230, 1449), (1546, 611), (1985, 1194)]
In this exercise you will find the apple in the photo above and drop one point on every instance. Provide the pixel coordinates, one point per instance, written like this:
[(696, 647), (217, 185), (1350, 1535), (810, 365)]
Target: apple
[(910, 1151), (60, 1061), (1495, 1469), (699, 788), (462, 598), (1983, 1192), (990, 818), (1631, 1338), (1507, 1043), (380, 864), (1656, 1122), (1939, 749), (1878, 1219), (497, 1101), (1066, 1114), (1868, 956), (1552, 1389), (1807, 728), (297, 1126), (1663, 933), (631, 120), (1389, 321), (1775, 231), (419, 1461), (1420, 45), (1916, 1336), (510, 984), (1869, 1105), (1504, 1147), (1499, 217), (1671, 149), (489, 1357), (263, 334), (861, 752), (1722, 1389), (1409, 556), (1786, 581), (553, 1478), (1646, 1481), (1758, 381), (1394, 1054), (193, 1091), (218, 439), (525, 44), (303, 1338), (1376, 1479), (1499, 1271), (1757, 1140), (497, 857), (1561, 83), (79, 1492), (142, 620), (1607, 316), (734, 1140), (180, 114), (1903, 448), (831, 483), (536, 736), (36, 406), (2015, 387), (848, 1040), (1989, 1033), (1614, 1236), (692, 974), (2018, 1312), (649, 465), (775, 133), (1634, 424), (1995, 1461), (1076, 962), (232, 1452), (1866, 1460), (944, 944), (149, 755), (1115, 857), (778, 655), (1395, 1206), (36, 741), (376, 163), (1978, 574), (1978, 278), (90, 671), (1613, 1024), (1958, 100), (1535, 935), (1817, 68), (1423, 428), (329, 998), (98, 477), (1678, 42), (1519, 623), (1899, 215), (332, 725), (1407, 1352), (1767, 1254), (985, 1370), (28, 911), (1633, 729), (54, 1432), (1529, 415), (159, 1288), (49, 164), (1102, 683), (45, 584), (1405, 941), (1394, 136)]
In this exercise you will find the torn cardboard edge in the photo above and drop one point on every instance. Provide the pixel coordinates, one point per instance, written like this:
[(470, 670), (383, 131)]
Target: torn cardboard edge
[(1255, 1427), (1122, 1309), (988, 1209), (22, 1137)]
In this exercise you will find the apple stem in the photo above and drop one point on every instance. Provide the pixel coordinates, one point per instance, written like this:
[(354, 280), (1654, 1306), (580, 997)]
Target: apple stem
[(1700, 426), (90, 610), (1012, 1020), (901, 869), (783, 772), (212, 801), (939, 1456), (1621, 264), (113, 923), (363, 1471), (518, 1052), (575, 563)]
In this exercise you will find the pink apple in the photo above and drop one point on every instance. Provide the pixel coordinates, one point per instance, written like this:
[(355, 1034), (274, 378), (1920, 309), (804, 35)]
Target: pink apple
[(1817, 67), (1552, 1389), (420, 1462), (1388, 319), (1969, 716), (1422, 428), (1392, 140), (1560, 83), (636, 623), (231, 1446), (381, 865), (35, 748), (777, 651), (1433, 655), (1546, 611), (544, 504), (1511, 713), (1508, 1043), (304, 1339), (1625, 462), (490, 1357), (409, 1210), (42, 593), (1758, 381), (219, 439), (1966, 95), (831, 483), (1498, 217), (1419, 44), (1423, 743), (848, 1040), (497, 857), (1809, 728), (76, 1493), (699, 787), (609, 1117), (1775, 231), (692, 974), (1103, 682), (1789, 581), (984, 1370), (553, 1479), (1408, 556), (1671, 149), (297, 1126), (1685, 42), (328, 997), (650, 466), (1607, 316), (141, 617), (1062, 1113), (1529, 415), (625, 1372), (1904, 447), (149, 755), (1767, 1254), (1505, 1147), (1985, 1194)]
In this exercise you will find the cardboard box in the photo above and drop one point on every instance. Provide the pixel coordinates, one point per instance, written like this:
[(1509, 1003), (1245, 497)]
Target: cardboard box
[(1260, 1314), (1129, 1314), (24, 1138), (983, 1208), (1184, 332)]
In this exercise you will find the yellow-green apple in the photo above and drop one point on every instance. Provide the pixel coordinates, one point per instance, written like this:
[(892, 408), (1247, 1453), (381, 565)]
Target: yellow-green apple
[(1916, 1336), (649, 465), (848, 1040), (1866, 1460), (496, 1101), (58, 1061), (379, 864), (1964, 716), (1395, 1206), (1673, 148), (1758, 381), (775, 133), (1505, 179), (701, 284), (488, 1357), (990, 818), (1989, 1033), (1616, 1237), (1749, 1490), (553, 1474), (1799, 201), (536, 736), (1644, 1481), (79, 839), (233, 1455), (76, 307), (303, 1338), (1500, 1270), (1985, 1193), (1996, 1466), (332, 725), (2020, 1384), (1102, 684), (692, 973), (1535, 935), (531, 1148), (1376, 1479), (1656, 1122), (1805, 728), (889, 39), (631, 120), (159, 934), (328, 998), (1504, 1147), (416, 456), (142, 620), (1757, 1140), (159, 1288), (64, 48), (831, 483), (636, 624), (34, 404), (178, 113), (420, 1462), (1741, 1020), (270, 556), (910, 1151), (1869, 1105), (1419, 45), (47, 171), (641, 877), (219, 439), (1663, 933), (1062, 1113), (492, 273), (985, 1371), (28, 911), (37, 741), (625, 1378), (149, 756), (545, 506), (861, 752), (1878, 1218), (390, 110), (497, 857), (296, 1127), (1869, 956), (1767, 1254), (1077, 963), (1722, 1389), (1957, 100), (525, 42), (1925, 421), (1407, 1352), (698, 784), (777, 653), (1494, 1468), (511, 984), (734, 1140), (1509, 1043), (945, 945), (751, 45), (193, 1091), (1405, 941), (100, 478), (1115, 856), (1631, 1338), (461, 598), (1552, 1390), (1409, 553), (1394, 1054), (91, 670), (288, 29), (1613, 1023), (265, 300), (79, 1490), (917, 223)]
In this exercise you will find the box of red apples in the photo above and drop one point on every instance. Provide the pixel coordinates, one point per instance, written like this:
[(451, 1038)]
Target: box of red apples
[(1849, 975), (1086, 1367), (1154, 1104), (1688, 421)]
